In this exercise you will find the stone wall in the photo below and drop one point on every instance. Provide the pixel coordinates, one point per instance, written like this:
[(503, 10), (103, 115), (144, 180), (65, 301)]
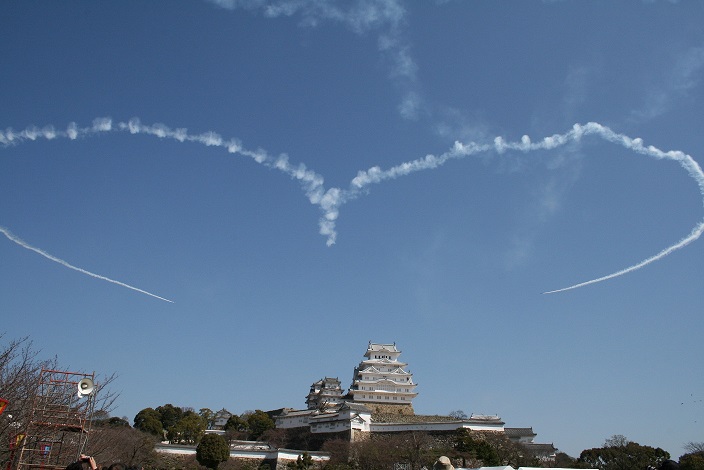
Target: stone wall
[(389, 409)]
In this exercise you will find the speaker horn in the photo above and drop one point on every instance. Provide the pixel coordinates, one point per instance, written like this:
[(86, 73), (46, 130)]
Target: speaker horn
[(85, 387)]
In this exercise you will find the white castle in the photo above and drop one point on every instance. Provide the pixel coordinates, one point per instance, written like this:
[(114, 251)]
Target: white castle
[(381, 378), (381, 387), (379, 400)]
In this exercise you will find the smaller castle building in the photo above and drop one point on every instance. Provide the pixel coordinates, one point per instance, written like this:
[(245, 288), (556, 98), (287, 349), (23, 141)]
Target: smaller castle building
[(324, 393)]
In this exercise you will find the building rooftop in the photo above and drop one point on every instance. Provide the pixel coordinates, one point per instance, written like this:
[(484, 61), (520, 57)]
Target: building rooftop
[(382, 347), (519, 432)]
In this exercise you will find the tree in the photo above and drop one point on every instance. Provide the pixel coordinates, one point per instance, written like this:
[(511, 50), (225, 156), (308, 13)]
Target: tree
[(692, 447), (149, 420), (509, 452), (208, 415), (235, 423), (122, 444), (236, 428), (339, 450), (458, 414), (692, 461), (478, 452), (372, 454), (188, 430), (212, 450), (19, 375), (617, 440), (415, 448), (113, 422), (258, 422), (20, 369), (169, 415), (303, 462), (631, 456)]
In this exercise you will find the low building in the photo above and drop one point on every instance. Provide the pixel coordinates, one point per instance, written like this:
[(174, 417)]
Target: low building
[(345, 417), (256, 452), (543, 452), (520, 435), (525, 436), (382, 423), (219, 419)]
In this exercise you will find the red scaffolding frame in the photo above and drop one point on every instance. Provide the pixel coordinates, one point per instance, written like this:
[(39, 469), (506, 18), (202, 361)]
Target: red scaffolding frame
[(57, 429)]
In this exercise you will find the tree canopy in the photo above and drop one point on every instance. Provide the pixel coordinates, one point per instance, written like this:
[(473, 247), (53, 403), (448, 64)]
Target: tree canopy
[(624, 456), (187, 430), (149, 420), (469, 448), (259, 422), (212, 450), (692, 461)]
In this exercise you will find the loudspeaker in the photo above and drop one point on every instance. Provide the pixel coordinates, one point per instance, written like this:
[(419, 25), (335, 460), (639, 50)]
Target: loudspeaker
[(85, 387)]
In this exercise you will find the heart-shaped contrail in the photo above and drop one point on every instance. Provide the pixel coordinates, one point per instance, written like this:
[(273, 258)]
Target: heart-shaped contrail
[(330, 200)]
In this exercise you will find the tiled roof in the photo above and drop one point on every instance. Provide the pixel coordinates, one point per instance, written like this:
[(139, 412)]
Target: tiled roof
[(519, 432), (381, 347), (541, 448)]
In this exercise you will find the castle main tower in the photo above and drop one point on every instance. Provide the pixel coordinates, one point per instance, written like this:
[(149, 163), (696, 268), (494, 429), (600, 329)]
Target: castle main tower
[(381, 381)]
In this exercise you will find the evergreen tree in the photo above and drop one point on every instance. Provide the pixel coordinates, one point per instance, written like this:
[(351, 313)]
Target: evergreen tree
[(212, 450)]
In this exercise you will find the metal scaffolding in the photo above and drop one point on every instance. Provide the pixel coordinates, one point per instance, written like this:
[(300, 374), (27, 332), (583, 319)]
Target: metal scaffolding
[(57, 430)]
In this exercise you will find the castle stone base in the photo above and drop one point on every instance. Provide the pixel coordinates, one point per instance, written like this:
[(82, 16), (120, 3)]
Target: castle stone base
[(389, 409)]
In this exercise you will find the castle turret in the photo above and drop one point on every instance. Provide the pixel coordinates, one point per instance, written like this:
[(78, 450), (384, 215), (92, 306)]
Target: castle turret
[(324, 393)]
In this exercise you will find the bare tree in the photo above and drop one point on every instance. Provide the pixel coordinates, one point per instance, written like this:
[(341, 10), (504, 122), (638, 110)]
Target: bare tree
[(19, 373), (110, 444), (692, 447), (617, 440), (20, 369)]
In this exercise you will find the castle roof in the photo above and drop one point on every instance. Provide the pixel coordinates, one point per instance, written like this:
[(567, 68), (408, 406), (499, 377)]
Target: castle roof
[(519, 432), (382, 347)]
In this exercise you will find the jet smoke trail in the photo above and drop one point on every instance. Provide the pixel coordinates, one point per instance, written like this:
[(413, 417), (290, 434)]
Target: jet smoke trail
[(12, 237), (329, 201), (696, 233), (376, 175)]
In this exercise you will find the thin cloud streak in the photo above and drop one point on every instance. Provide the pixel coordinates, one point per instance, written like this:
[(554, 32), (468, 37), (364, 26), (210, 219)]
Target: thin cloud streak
[(12, 237), (329, 201), (695, 234), (389, 17)]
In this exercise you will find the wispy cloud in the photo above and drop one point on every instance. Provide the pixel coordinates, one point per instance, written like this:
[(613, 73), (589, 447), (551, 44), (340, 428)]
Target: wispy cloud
[(681, 78), (386, 17), (545, 202), (360, 16)]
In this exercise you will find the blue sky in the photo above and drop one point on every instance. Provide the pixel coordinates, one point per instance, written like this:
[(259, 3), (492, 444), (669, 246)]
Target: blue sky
[(449, 261)]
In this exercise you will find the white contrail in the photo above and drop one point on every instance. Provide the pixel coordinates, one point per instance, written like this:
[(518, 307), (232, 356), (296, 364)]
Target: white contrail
[(377, 175), (696, 233), (23, 244), (330, 200)]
